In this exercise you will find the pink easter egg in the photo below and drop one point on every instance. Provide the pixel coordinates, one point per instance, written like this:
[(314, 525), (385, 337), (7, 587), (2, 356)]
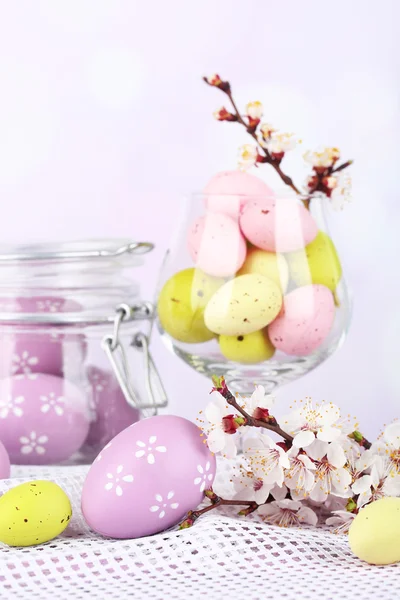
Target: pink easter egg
[(285, 227), (111, 411), (4, 463), (229, 191), (147, 478), (43, 419), (305, 320), (216, 245)]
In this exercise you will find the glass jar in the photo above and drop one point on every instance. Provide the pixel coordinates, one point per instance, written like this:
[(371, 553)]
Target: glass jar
[(68, 312), (252, 289)]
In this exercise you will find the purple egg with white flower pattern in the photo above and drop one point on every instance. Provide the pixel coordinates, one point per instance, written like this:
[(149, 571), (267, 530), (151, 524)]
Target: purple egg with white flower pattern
[(147, 478), (111, 411), (43, 419)]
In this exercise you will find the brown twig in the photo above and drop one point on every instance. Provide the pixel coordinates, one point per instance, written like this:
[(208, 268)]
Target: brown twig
[(271, 425)]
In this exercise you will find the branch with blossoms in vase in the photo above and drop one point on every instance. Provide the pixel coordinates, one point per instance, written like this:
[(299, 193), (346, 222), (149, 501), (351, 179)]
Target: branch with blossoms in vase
[(328, 174), (310, 467)]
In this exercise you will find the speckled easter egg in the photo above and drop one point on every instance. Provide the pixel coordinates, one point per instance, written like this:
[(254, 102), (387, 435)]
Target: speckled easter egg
[(216, 245), (270, 264), (111, 412), (147, 478), (43, 419), (286, 227), (305, 321), (243, 305), (375, 532), (31, 350), (4, 463), (229, 191), (247, 349)]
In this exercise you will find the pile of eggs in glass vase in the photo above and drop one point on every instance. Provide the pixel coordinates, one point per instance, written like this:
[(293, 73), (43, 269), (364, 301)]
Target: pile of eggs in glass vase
[(263, 276)]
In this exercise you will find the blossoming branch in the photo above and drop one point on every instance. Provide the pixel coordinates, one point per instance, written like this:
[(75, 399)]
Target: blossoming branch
[(320, 467), (270, 147)]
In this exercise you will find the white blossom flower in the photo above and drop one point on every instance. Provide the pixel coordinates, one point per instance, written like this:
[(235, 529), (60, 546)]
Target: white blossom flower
[(258, 399), (309, 422), (148, 449), (267, 460), (299, 477), (164, 504), (250, 487), (205, 476), (331, 476), (11, 405), (51, 401), (23, 362), (247, 156), (217, 439), (358, 466), (254, 110), (116, 482), (341, 521), (279, 143), (341, 194), (213, 79), (287, 513), (267, 130), (389, 445), (323, 157), (33, 443), (383, 481)]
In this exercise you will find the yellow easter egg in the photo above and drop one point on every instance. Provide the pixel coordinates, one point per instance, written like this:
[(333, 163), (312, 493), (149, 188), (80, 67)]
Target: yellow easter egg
[(374, 535), (270, 264), (247, 349), (181, 305), (33, 513), (317, 263), (243, 305)]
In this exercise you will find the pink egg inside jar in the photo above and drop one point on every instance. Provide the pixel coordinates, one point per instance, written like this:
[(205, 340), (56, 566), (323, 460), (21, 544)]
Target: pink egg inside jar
[(60, 305)]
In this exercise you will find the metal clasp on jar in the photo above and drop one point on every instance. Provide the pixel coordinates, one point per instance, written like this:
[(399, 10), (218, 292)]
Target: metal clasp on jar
[(113, 347)]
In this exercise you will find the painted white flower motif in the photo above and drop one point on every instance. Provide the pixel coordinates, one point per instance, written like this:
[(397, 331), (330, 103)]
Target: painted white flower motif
[(300, 476), (164, 504), (100, 456), (49, 305), (247, 156), (33, 443), (287, 513), (383, 481), (23, 376), (341, 521), (148, 449), (217, 439), (331, 477), (116, 481), (51, 401), (250, 487), (23, 362), (267, 460), (389, 445), (309, 422), (204, 477), (11, 406), (254, 110)]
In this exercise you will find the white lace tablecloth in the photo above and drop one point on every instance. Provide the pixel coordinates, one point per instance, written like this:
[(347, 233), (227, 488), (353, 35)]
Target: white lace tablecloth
[(221, 556)]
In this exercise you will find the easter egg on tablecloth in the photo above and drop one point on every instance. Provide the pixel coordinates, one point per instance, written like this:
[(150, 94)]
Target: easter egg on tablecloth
[(243, 305), (228, 192), (43, 419), (216, 245), (111, 411), (147, 478), (305, 321), (285, 227)]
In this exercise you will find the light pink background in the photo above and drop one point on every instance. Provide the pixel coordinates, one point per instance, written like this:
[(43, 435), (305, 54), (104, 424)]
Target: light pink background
[(105, 124)]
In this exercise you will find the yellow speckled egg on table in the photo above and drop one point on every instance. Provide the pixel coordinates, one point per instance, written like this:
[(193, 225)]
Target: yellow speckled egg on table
[(243, 305), (247, 349), (33, 513), (270, 264), (374, 535)]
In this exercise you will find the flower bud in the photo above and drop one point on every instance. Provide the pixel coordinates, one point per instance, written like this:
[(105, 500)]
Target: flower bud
[(186, 524), (224, 115), (231, 423), (216, 81), (254, 110)]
